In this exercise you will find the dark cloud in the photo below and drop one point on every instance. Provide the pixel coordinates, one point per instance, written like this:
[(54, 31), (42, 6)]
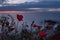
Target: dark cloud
[(48, 0), (49, 4), (1, 1)]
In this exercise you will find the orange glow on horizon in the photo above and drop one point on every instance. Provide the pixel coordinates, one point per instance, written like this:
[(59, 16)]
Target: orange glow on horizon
[(31, 10), (10, 12)]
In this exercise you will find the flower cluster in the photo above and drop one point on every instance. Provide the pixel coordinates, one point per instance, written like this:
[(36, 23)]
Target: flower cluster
[(49, 30)]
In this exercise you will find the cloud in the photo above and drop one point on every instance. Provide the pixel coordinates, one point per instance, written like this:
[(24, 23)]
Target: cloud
[(18, 1), (33, 10), (24, 6), (0, 5), (48, 0)]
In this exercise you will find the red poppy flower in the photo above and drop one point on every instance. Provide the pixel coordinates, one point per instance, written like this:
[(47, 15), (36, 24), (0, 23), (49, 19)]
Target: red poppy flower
[(57, 37), (34, 25), (7, 23), (42, 34), (11, 29), (19, 17), (48, 27), (39, 27)]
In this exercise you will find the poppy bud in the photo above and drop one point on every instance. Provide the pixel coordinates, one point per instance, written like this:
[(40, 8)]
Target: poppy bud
[(48, 27)]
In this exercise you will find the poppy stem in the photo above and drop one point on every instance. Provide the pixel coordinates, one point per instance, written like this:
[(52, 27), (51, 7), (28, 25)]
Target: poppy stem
[(17, 26), (43, 38)]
